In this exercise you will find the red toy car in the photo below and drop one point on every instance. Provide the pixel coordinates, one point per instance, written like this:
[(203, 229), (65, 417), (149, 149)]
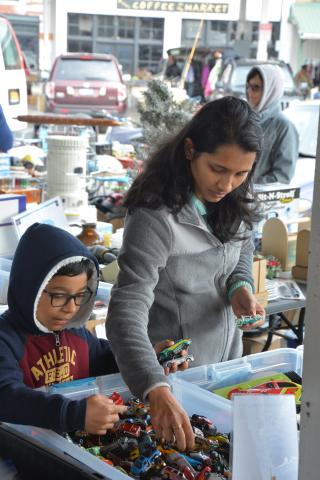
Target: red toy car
[(274, 387), (116, 398)]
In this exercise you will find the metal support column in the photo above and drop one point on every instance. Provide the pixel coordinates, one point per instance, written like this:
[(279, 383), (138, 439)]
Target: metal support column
[(309, 461)]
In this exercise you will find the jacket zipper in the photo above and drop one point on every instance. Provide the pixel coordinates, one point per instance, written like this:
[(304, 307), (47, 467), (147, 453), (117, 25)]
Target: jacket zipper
[(57, 339)]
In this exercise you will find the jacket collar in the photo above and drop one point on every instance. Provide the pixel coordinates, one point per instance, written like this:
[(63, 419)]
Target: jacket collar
[(191, 216)]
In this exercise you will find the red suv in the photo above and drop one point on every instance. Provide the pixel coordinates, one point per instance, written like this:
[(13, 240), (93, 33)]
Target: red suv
[(86, 83)]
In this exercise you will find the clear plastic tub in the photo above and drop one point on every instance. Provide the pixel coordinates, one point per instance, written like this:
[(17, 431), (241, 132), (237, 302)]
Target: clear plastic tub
[(193, 400), (5, 264), (103, 292), (223, 374), (4, 284)]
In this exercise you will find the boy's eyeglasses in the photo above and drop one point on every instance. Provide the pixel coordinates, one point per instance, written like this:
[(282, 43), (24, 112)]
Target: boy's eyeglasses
[(254, 87), (62, 299)]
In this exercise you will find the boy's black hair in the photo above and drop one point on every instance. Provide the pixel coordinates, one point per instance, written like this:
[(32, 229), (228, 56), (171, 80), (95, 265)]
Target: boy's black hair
[(167, 179), (76, 268)]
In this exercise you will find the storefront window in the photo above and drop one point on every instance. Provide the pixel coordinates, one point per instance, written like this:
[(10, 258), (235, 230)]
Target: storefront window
[(80, 24), (213, 32), (136, 42), (126, 27), (106, 26), (79, 46), (149, 57), (151, 28)]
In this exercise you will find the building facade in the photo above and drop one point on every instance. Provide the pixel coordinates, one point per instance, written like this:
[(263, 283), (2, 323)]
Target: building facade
[(139, 32)]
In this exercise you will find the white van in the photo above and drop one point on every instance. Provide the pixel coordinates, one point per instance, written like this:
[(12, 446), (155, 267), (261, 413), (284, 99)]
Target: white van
[(13, 91)]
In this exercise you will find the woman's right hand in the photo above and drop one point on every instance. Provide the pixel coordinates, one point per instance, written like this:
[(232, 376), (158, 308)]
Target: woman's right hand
[(101, 414), (170, 422)]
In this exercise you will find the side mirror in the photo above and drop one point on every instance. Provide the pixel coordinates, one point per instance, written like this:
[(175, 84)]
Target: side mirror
[(44, 75)]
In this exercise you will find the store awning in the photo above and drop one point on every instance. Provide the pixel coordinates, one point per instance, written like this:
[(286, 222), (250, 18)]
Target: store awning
[(306, 17)]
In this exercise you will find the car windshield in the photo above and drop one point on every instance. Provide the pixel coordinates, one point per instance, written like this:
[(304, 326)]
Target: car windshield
[(305, 117), (86, 70), (240, 72)]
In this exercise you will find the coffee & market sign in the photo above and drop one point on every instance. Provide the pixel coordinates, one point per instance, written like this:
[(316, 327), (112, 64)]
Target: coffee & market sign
[(182, 7)]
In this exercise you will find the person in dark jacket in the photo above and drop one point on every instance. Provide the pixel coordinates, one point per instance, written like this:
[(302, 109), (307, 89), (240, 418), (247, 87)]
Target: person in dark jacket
[(43, 341), (277, 161), (172, 70), (6, 137)]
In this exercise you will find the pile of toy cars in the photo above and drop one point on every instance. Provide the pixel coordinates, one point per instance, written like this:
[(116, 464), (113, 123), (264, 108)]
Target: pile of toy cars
[(132, 447)]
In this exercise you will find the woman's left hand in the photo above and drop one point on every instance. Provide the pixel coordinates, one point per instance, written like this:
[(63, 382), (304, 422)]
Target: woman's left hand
[(245, 303), (174, 367)]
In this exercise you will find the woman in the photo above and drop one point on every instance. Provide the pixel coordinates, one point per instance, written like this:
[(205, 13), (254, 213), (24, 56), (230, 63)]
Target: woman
[(186, 259), (277, 161)]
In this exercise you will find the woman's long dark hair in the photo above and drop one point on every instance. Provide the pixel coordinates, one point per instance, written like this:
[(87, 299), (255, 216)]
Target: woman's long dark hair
[(167, 179)]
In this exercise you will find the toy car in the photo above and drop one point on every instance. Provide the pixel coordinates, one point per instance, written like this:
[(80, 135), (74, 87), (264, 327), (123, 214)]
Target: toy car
[(172, 473), (247, 320), (184, 358), (116, 398), (200, 421), (273, 387), (174, 350), (127, 428), (143, 463), (203, 474)]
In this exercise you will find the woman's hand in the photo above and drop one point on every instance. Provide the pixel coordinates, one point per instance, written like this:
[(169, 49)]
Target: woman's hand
[(174, 367), (169, 420), (101, 414), (244, 303)]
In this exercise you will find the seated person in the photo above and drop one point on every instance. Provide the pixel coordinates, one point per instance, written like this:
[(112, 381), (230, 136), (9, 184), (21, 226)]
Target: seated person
[(43, 341)]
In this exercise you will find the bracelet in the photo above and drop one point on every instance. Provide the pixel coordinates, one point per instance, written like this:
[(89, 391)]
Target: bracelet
[(236, 285)]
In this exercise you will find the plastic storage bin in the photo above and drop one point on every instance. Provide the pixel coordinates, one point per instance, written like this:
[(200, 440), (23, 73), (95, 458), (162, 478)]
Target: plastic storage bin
[(193, 400), (4, 284), (5, 264), (223, 374), (103, 292)]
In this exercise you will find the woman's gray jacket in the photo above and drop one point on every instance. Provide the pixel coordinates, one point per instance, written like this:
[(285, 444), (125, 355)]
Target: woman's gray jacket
[(172, 284)]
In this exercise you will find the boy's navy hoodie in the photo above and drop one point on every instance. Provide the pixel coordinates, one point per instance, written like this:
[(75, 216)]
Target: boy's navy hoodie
[(31, 356)]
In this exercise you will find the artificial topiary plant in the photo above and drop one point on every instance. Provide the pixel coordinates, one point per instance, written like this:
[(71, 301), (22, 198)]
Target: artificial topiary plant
[(161, 115)]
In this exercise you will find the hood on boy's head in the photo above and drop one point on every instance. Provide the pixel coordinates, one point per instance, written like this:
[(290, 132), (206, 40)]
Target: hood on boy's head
[(273, 85), (41, 252)]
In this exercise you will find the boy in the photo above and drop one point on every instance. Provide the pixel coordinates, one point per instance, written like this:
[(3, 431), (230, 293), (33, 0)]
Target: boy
[(52, 289)]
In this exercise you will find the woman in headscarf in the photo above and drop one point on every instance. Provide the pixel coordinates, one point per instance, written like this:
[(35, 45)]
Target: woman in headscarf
[(277, 160)]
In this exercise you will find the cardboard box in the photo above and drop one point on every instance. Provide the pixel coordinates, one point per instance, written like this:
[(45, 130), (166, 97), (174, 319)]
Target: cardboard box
[(278, 242), (300, 269), (255, 343), (259, 272)]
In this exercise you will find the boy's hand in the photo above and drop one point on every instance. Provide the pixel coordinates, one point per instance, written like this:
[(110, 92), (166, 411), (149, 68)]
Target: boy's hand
[(101, 414), (165, 344)]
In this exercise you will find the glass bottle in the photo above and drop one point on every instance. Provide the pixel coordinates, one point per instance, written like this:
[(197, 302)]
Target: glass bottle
[(89, 235)]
